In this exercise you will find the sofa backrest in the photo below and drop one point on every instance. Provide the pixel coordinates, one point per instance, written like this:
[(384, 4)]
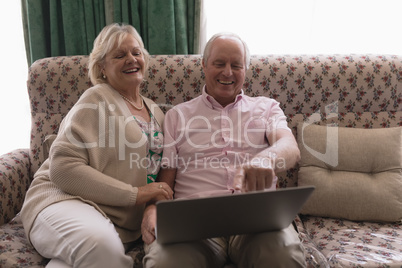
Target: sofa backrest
[(362, 91)]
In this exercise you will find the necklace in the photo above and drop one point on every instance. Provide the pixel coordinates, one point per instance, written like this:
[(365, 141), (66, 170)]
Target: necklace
[(132, 103)]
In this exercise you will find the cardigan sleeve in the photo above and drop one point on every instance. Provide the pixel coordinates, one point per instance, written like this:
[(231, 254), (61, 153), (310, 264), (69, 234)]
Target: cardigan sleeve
[(72, 173), (84, 157)]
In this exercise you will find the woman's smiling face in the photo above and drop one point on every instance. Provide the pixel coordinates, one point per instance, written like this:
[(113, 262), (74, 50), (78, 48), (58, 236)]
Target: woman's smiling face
[(225, 70), (124, 65)]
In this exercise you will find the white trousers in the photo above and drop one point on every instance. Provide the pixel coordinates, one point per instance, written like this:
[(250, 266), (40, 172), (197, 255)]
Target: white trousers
[(74, 234)]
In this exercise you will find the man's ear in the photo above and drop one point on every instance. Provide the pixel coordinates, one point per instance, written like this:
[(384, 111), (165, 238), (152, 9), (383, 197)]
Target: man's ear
[(203, 63)]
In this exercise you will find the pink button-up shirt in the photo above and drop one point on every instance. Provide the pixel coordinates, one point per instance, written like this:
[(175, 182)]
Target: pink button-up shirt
[(207, 142)]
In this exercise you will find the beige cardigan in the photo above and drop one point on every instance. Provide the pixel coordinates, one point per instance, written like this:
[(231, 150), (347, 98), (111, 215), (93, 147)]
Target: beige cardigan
[(95, 158)]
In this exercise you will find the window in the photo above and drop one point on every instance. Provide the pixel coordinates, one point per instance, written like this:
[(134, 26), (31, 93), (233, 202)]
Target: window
[(14, 108), (309, 26)]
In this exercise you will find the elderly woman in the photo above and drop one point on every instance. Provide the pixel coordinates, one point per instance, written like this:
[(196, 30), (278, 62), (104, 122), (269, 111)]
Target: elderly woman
[(86, 202)]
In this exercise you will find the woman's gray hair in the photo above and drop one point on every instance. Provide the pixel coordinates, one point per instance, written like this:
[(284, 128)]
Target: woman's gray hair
[(105, 42), (208, 46)]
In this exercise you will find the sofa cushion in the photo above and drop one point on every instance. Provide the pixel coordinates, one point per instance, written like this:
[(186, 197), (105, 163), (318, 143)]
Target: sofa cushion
[(15, 251), (357, 172), (347, 243), (47, 143)]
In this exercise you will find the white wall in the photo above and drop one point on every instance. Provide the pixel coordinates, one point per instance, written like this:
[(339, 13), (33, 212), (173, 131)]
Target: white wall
[(310, 26)]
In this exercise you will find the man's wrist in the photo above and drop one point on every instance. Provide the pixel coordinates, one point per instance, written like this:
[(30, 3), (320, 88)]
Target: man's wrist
[(267, 160), (150, 204)]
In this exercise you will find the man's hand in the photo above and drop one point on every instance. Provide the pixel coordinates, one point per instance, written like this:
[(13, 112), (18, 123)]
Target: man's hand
[(148, 224), (256, 175), (153, 192)]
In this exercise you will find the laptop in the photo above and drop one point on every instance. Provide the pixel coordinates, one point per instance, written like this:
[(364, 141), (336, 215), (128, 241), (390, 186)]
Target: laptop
[(244, 213)]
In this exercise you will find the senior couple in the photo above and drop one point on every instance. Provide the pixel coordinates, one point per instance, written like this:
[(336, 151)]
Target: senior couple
[(87, 206)]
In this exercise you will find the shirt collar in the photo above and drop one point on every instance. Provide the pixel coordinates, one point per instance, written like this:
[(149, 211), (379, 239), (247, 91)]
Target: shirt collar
[(213, 104)]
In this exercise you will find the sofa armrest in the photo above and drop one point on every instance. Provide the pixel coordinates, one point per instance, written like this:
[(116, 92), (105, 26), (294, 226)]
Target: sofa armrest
[(14, 182)]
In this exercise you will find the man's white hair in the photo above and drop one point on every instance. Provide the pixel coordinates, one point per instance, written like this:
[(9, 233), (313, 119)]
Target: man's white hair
[(208, 47)]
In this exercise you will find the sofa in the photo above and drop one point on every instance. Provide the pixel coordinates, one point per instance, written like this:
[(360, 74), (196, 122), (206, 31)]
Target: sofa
[(353, 219)]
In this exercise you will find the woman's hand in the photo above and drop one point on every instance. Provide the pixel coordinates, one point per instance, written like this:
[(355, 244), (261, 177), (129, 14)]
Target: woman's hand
[(148, 224), (153, 192)]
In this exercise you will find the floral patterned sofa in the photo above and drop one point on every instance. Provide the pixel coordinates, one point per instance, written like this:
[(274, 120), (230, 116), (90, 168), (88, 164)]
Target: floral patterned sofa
[(365, 90)]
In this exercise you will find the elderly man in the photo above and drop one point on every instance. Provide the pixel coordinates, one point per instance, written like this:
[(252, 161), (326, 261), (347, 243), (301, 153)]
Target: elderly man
[(220, 143)]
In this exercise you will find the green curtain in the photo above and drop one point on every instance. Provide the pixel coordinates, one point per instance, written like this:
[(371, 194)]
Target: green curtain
[(61, 27), (166, 26), (69, 27)]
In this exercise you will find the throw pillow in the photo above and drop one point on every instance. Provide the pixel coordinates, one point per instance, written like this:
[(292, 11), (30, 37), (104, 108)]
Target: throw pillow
[(357, 172)]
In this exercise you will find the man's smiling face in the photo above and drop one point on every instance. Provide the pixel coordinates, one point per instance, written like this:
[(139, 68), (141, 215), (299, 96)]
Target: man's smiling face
[(225, 70)]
